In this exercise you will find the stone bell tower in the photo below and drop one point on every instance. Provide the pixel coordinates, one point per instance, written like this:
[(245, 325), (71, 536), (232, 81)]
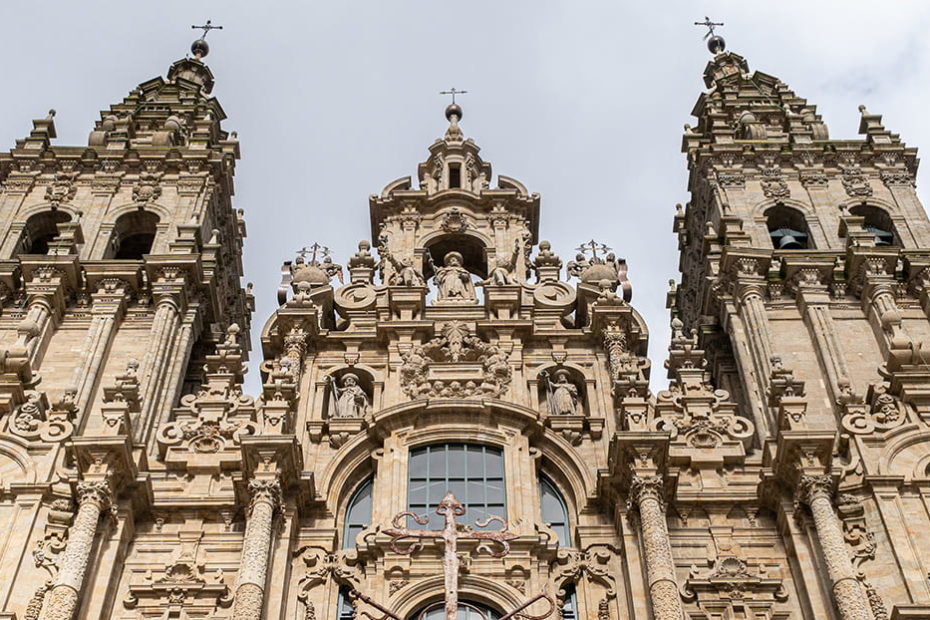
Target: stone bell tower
[(120, 263), (804, 279)]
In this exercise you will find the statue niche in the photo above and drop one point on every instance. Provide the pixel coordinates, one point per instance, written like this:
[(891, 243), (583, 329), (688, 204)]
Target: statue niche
[(451, 261), (563, 394), (348, 398)]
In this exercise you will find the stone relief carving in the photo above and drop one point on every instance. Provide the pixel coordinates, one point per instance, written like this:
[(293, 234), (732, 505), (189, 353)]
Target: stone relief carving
[(35, 420), (485, 368)]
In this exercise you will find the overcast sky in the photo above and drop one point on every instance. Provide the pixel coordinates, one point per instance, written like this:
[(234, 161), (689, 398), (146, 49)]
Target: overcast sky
[(582, 101)]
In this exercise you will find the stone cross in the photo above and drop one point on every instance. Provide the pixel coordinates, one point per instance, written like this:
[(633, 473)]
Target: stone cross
[(710, 26), (450, 508), (206, 28), (453, 92), (593, 247)]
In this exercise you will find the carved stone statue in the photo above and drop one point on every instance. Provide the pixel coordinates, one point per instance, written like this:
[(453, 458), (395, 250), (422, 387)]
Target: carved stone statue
[(348, 400), (578, 266), (503, 272), (404, 273), (563, 394), (453, 280)]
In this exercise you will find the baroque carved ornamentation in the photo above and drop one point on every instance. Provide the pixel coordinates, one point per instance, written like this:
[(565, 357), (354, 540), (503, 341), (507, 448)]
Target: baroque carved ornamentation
[(455, 364)]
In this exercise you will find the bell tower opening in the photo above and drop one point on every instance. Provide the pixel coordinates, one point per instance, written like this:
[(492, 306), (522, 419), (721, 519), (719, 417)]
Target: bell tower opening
[(133, 236), (455, 176), (41, 229)]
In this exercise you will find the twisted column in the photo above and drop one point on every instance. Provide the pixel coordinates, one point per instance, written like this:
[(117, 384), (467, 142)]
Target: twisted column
[(250, 588), (646, 493), (61, 602), (816, 492)]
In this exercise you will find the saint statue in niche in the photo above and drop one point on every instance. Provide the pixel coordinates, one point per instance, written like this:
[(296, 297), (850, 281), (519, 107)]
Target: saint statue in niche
[(562, 394), (452, 280), (348, 400)]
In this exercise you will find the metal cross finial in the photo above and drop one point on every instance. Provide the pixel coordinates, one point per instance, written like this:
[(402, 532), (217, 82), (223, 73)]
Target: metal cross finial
[(593, 247), (207, 28), (453, 92), (313, 250), (710, 26)]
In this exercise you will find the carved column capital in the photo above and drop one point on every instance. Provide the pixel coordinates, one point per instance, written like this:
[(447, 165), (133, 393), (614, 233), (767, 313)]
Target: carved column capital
[(644, 488), (265, 491), (810, 487)]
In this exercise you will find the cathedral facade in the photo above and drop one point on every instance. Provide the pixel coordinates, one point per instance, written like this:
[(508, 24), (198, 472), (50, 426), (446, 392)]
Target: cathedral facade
[(453, 421)]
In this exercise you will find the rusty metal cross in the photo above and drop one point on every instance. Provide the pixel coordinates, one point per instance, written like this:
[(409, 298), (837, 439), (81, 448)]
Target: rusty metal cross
[(593, 247), (453, 92), (206, 28), (710, 26), (450, 508)]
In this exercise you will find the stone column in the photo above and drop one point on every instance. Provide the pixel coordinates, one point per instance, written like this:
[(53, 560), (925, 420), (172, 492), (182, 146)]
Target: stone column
[(256, 546), (646, 494), (816, 312), (174, 377), (62, 600), (816, 492), (38, 315)]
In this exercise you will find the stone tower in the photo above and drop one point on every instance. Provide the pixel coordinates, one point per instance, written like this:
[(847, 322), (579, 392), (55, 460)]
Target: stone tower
[(451, 425)]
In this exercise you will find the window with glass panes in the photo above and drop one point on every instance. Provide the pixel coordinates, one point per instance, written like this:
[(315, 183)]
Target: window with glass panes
[(346, 610), (474, 474), (554, 511), (358, 514)]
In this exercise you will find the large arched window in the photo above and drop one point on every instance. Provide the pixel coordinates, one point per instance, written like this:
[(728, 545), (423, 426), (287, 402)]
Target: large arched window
[(555, 511), (358, 514), (133, 235), (40, 229), (878, 223), (787, 228), (466, 611), (473, 473)]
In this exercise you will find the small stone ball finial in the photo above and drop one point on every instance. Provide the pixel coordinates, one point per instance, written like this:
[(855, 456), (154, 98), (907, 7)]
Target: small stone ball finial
[(453, 109), (716, 44), (199, 48), (51, 114)]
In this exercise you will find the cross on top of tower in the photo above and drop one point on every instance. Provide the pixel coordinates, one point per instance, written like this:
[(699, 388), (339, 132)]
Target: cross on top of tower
[(715, 42), (207, 28), (452, 91), (593, 247), (312, 251)]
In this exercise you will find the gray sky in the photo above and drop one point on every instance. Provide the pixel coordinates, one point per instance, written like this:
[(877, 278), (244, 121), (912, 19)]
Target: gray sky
[(582, 101)]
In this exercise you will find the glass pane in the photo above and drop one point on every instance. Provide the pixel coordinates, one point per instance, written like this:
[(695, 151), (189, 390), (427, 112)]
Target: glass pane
[(457, 461), (495, 491), (418, 462), (416, 493), (436, 492), (437, 462), (475, 462)]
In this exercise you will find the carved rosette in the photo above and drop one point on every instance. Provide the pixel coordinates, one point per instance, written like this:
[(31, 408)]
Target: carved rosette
[(93, 498), (646, 493), (266, 499), (817, 493)]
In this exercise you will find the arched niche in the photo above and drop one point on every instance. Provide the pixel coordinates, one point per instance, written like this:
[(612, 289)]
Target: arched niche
[(39, 230), (364, 378), (539, 385), (472, 249), (132, 236)]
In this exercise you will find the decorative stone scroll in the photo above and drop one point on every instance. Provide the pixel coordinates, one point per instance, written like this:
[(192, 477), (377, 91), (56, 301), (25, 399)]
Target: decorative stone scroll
[(455, 364)]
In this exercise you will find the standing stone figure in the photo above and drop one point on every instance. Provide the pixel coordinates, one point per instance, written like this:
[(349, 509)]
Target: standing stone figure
[(349, 400), (563, 395), (453, 280), (404, 274), (503, 272)]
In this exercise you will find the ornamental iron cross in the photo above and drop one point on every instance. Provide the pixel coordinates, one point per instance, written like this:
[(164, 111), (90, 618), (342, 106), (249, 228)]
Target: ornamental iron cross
[(453, 92), (206, 28), (313, 250), (450, 508), (593, 247), (710, 26)]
